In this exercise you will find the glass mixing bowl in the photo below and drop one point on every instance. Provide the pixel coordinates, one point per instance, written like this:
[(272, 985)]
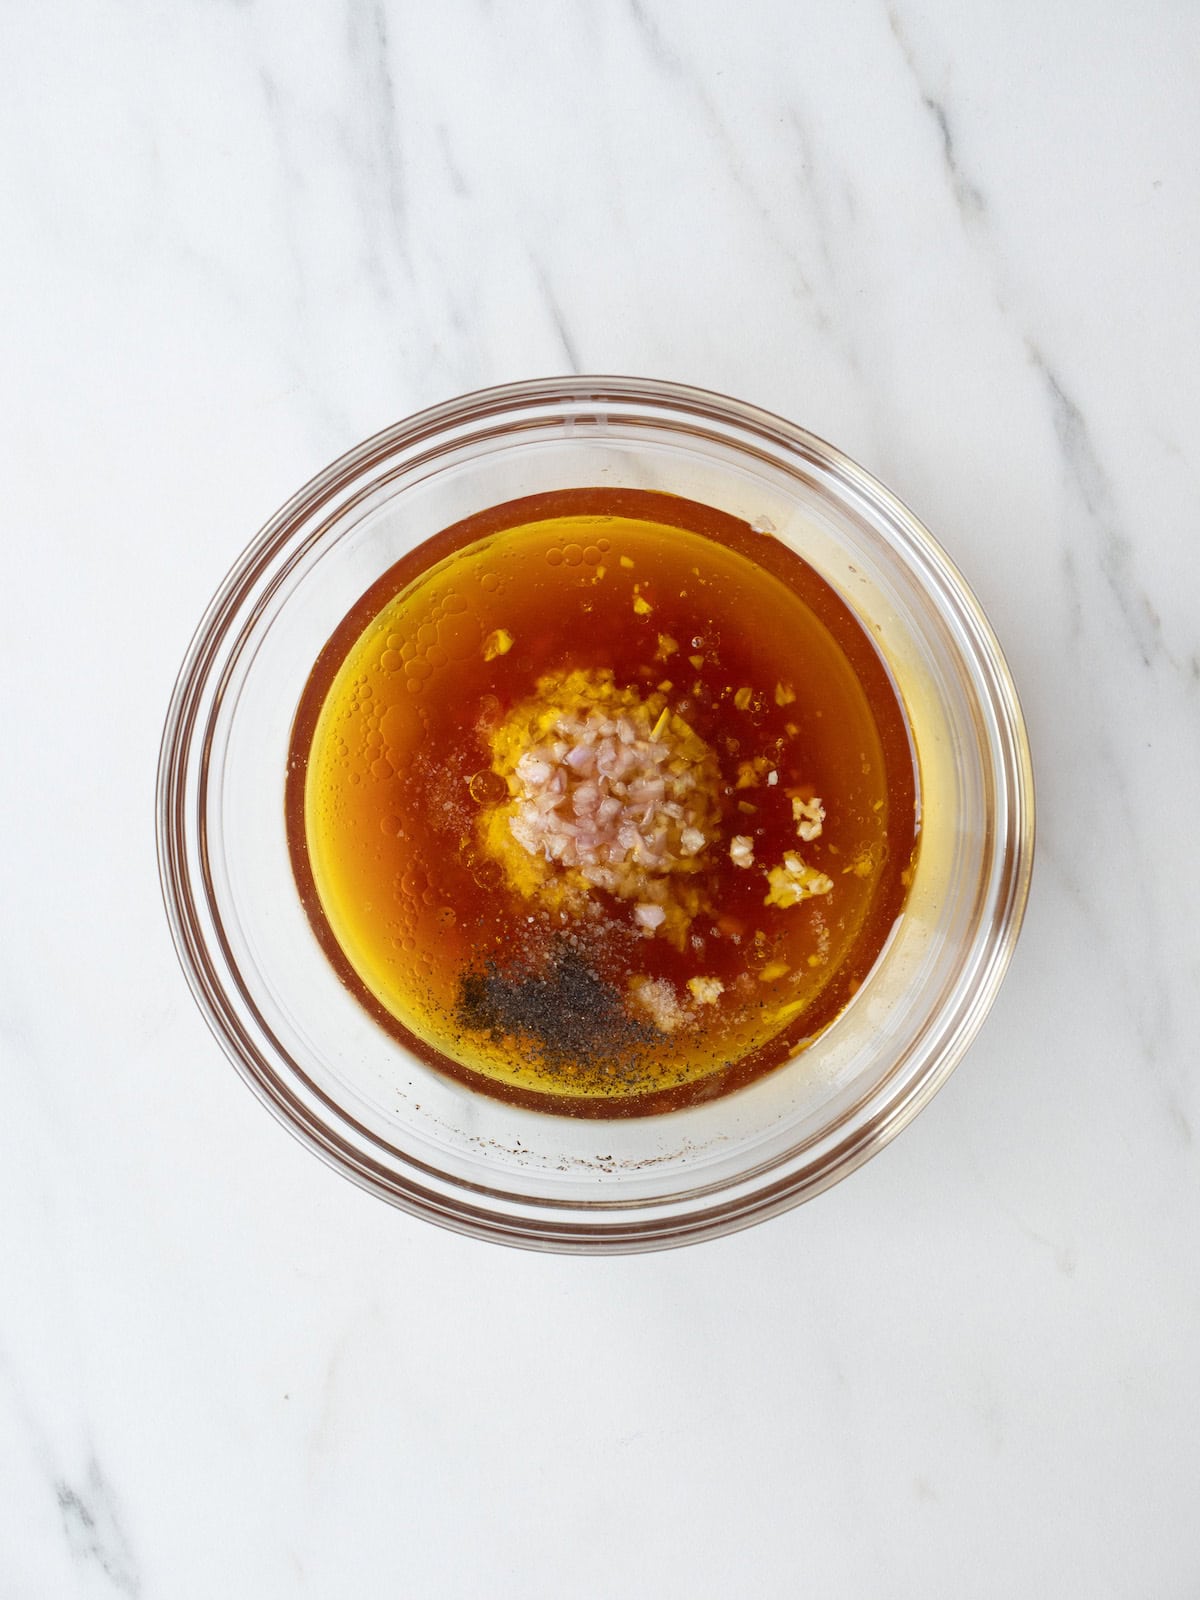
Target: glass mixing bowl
[(426, 1142)]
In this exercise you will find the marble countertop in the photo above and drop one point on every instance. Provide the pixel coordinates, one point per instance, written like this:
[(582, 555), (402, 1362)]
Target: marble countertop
[(959, 241)]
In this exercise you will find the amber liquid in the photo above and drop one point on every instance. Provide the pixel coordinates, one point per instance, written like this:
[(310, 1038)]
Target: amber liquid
[(769, 667)]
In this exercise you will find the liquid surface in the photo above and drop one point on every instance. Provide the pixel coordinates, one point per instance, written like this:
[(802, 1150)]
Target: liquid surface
[(602, 802)]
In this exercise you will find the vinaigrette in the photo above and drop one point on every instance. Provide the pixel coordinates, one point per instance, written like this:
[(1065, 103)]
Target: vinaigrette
[(602, 802)]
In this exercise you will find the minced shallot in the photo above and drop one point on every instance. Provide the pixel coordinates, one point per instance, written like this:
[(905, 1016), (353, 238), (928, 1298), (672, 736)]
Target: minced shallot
[(617, 791), (601, 795)]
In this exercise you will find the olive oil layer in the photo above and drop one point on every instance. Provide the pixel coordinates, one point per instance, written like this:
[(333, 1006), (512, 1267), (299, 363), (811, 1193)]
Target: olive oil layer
[(393, 773)]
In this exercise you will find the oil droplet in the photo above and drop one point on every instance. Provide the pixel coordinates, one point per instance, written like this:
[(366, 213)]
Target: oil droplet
[(414, 685), (453, 603), (554, 556), (394, 641), (419, 669), (488, 874), (426, 634), (573, 555), (489, 582), (391, 661), (382, 768), (592, 554), (445, 917), (392, 826), (436, 656), (488, 788), (605, 545), (430, 896)]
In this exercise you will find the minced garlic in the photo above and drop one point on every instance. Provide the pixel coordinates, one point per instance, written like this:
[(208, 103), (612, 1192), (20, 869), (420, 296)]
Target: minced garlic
[(498, 643), (707, 991), (808, 816), (750, 773), (741, 850), (793, 882)]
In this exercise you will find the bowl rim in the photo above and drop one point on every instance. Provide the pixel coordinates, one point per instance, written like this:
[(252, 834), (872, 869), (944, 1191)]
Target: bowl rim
[(454, 1204)]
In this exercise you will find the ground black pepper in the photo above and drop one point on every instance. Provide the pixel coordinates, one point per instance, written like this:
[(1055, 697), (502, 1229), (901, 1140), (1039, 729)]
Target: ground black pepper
[(563, 1010)]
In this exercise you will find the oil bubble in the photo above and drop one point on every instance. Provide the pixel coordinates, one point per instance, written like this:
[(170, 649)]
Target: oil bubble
[(573, 555), (419, 669), (488, 788), (382, 768), (395, 641), (392, 826), (554, 556), (426, 634), (414, 685), (489, 582), (453, 603), (391, 661), (605, 545), (436, 656), (487, 874), (591, 555)]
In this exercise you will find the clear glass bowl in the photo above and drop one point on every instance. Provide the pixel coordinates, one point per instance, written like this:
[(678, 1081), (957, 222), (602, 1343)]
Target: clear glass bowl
[(426, 1142)]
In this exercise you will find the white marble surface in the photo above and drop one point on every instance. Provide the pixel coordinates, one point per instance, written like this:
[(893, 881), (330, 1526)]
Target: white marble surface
[(959, 240)]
